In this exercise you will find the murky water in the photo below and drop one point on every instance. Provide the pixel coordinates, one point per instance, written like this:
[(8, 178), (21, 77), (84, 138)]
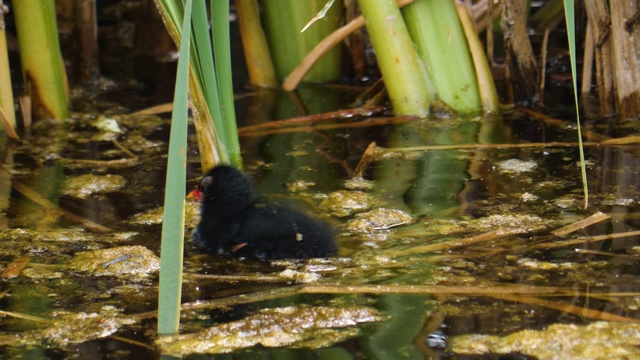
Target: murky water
[(477, 253)]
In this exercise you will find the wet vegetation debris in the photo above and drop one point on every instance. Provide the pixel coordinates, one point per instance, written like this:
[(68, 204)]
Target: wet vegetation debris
[(516, 166), (67, 328), (344, 203), (598, 340), (122, 261), (378, 219), (295, 326), (84, 186)]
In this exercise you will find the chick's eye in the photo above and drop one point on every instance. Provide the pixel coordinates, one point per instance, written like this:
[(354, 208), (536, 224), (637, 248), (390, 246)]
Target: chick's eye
[(205, 183)]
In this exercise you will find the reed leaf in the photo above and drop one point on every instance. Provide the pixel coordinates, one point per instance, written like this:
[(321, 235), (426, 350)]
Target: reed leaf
[(172, 244), (569, 13)]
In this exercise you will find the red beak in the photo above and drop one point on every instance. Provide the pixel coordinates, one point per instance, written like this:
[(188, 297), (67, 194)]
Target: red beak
[(195, 195)]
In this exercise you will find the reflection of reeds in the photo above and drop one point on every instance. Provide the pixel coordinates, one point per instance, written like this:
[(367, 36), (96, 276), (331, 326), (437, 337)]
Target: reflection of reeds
[(50, 206)]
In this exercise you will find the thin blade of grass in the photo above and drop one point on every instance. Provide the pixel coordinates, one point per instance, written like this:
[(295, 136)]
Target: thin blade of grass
[(171, 251), (569, 13)]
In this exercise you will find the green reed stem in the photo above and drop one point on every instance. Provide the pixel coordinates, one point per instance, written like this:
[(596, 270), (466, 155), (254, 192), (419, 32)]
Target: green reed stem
[(402, 70), (42, 66), (283, 21), (439, 37)]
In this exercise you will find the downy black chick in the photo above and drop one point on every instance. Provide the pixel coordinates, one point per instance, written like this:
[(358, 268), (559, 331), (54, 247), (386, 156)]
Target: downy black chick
[(232, 221)]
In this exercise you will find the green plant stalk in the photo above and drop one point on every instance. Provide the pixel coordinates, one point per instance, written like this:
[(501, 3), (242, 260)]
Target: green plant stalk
[(486, 86), (402, 70), (436, 30), (171, 251), (42, 66), (569, 13), (254, 41), (217, 137), (222, 53), (283, 21), (6, 93)]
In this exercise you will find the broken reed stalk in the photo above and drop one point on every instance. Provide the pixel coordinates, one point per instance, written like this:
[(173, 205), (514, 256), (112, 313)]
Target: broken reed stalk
[(435, 290), (543, 66), (131, 341), (367, 157), (610, 142), (234, 278), (122, 148), (110, 164), (583, 240), (587, 134), (312, 119), (568, 308), (155, 110), (365, 123), (271, 294), (452, 244), (604, 253), (593, 219), (17, 315)]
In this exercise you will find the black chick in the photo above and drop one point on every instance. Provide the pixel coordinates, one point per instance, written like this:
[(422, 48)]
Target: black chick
[(233, 222)]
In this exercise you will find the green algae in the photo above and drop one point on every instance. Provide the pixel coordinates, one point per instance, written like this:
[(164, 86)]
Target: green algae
[(378, 219), (84, 186), (344, 203), (598, 340), (131, 261), (294, 326)]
